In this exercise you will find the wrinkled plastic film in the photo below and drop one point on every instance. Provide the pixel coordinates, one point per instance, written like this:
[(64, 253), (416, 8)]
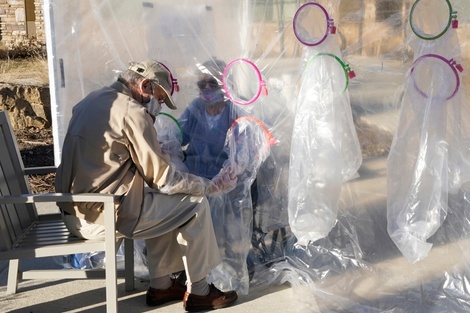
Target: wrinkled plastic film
[(356, 266), (170, 136), (247, 145), (428, 141), (325, 151)]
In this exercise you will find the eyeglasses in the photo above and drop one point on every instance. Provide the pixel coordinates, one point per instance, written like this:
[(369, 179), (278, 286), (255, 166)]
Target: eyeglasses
[(212, 82)]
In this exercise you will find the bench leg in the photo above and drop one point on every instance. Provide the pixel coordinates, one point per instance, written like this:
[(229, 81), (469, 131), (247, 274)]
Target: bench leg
[(111, 277), (129, 263), (13, 272)]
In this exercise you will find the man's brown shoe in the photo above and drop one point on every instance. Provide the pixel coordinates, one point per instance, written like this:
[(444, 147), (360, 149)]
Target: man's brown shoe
[(216, 299), (160, 296)]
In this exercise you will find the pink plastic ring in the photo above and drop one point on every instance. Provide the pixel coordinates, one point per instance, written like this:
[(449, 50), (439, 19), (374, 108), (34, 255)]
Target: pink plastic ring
[(261, 83)]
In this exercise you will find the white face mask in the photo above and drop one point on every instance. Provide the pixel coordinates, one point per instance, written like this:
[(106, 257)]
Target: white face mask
[(153, 106)]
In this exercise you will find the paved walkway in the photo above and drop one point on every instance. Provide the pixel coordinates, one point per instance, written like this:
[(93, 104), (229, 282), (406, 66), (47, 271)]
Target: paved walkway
[(89, 296), (385, 280)]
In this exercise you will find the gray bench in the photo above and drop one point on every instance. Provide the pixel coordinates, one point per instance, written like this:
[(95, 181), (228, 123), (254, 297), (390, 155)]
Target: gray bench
[(25, 234)]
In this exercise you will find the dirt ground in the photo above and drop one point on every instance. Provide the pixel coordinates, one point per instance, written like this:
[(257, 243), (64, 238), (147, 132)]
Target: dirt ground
[(35, 145)]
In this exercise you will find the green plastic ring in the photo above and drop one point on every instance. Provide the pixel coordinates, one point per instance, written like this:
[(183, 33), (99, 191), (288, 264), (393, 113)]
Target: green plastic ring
[(177, 124), (343, 65), (440, 34)]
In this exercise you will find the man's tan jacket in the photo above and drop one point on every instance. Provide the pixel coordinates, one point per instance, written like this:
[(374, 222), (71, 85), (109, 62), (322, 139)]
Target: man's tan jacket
[(111, 146)]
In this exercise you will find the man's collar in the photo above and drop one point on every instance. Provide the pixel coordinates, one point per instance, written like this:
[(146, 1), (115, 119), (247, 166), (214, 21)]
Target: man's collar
[(120, 87)]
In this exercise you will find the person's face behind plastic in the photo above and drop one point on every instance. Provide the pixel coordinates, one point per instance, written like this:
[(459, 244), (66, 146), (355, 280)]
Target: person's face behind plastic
[(210, 89)]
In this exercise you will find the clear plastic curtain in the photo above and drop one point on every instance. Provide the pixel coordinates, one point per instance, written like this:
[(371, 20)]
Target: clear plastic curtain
[(357, 264)]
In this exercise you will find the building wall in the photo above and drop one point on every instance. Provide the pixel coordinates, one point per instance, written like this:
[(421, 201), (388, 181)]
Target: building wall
[(13, 23)]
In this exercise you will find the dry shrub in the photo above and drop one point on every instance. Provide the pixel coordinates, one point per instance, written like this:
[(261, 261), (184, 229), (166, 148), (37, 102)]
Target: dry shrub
[(25, 63)]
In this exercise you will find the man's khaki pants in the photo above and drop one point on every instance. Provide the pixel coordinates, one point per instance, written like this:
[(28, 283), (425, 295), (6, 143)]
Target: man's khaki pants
[(178, 234)]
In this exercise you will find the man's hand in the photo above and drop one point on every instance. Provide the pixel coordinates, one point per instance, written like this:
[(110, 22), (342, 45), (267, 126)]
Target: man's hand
[(225, 181)]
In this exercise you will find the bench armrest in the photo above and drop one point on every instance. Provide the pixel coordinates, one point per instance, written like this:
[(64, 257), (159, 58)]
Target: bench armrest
[(58, 197), (39, 170), (108, 201)]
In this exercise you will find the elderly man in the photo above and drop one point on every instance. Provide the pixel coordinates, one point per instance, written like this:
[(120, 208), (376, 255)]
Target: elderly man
[(111, 146)]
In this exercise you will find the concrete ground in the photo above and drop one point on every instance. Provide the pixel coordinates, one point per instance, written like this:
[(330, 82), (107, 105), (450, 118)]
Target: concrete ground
[(89, 296), (385, 282)]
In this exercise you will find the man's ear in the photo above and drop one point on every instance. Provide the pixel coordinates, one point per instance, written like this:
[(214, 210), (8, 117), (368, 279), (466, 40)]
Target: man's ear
[(145, 86)]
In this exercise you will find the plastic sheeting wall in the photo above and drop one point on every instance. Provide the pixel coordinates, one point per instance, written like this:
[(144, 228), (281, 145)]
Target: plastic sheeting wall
[(417, 144)]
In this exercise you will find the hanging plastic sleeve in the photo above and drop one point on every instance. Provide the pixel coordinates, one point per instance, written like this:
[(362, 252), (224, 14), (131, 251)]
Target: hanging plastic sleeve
[(455, 22)]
